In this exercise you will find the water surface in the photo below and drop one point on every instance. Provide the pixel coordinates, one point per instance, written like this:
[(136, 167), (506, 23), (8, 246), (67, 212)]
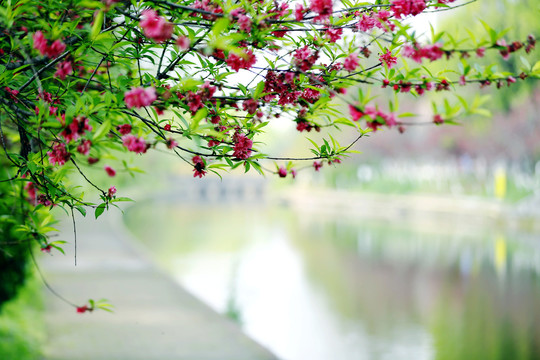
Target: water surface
[(319, 287)]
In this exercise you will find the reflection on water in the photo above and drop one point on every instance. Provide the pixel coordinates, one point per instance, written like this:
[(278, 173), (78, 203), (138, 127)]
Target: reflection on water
[(323, 288)]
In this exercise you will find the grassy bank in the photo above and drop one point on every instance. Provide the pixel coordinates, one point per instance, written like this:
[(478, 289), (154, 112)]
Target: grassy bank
[(22, 327)]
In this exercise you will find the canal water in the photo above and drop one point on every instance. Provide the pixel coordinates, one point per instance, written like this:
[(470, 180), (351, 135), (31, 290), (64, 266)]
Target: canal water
[(319, 286)]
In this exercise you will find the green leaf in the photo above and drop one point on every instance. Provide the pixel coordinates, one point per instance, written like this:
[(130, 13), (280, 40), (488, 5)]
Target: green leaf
[(201, 114), (220, 26), (102, 130), (258, 91), (122, 199), (98, 23), (81, 210), (482, 112), (100, 209), (525, 63), (536, 68), (59, 249)]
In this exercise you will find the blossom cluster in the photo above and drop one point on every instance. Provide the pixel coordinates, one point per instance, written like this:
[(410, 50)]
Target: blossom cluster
[(77, 128), (244, 61), (135, 144), (195, 77), (377, 19), (198, 166), (139, 97), (155, 27), (374, 117), (58, 155), (323, 9), (417, 53), (42, 45), (242, 146)]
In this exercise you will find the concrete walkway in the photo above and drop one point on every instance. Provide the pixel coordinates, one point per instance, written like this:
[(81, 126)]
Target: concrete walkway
[(154, 318)]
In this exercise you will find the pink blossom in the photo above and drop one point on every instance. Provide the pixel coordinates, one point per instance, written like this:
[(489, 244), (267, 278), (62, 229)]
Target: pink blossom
[(437, 119), (366, 23), (403, 8), (389, 119), (282, 172), (236, 62), (480, 52), (356, 113), (111, 192), (76, 129), (183, 42), (40, 43), (322, 7), (244, 22), (31, 191), (384, 20), (171, 143), (334, 34), (317, 165), (505, 50), (12, 93), (63, 69), (155, 27), (434, 52), (371, 111), (462, 80), (139, 97), (242, 146), (280, 10), (250, 106), (351, 62), (124, 129), (110, 2), (194, 102), (388, 59), (84, 147), (207, 90), (59, 154), (411, 53), (417, 53), (56, 49), (44, 200), (135, 144), (303, 125), (110, 171), (302, 53), (45, 96), (304, 58), (198, 167), (311, 95), (83, 309), (299, 12)]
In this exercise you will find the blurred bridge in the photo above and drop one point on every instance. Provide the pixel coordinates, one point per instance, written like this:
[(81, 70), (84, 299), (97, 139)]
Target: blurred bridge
[(230, 189)]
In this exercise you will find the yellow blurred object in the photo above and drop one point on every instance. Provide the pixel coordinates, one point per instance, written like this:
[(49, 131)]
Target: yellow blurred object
[(500, 255), (500, 183)]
